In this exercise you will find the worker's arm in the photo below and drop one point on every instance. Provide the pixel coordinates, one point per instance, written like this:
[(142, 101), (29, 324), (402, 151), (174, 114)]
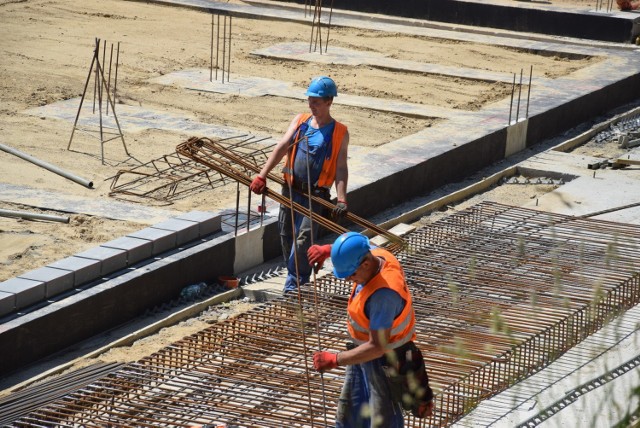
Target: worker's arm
[(376, 347), (281, 148), (368, 351), (342, 171)]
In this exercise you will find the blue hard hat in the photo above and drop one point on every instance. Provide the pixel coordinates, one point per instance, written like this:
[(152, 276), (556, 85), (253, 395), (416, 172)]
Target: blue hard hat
[(322, 86), (347, 253)]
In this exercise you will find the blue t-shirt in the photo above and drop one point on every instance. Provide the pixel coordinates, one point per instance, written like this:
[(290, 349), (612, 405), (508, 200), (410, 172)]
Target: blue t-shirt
[(317, 143), (382, 308)]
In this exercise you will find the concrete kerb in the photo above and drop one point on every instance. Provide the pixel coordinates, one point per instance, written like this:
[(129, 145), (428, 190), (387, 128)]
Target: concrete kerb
[(123, 296)]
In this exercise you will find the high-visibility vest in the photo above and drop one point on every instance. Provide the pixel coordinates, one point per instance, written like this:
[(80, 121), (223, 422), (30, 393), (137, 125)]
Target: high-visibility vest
[(328, 173), (391, 276)]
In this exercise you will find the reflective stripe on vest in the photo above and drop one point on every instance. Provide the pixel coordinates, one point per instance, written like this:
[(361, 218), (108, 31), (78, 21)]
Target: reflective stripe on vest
[(390, 276), (328, 173)]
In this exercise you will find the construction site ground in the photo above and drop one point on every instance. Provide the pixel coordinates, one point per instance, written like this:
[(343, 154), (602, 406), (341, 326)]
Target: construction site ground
[(47, 48)]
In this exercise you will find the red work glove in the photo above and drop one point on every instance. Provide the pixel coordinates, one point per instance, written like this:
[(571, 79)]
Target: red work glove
[(317, 254), (323, 361), (258, 185), (340, 210)]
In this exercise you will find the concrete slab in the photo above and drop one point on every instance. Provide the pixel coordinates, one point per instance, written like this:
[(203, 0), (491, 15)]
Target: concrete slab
[(248, 86), (136, 249), (208, 222), (56, 280), (185, 230), (84, 270), (162, 240), (586, 192), (7, 303), (111, 259), (26, 291), (132, 119), (87, 204)]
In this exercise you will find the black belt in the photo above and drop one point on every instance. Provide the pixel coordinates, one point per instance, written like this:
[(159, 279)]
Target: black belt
[(304, 188)]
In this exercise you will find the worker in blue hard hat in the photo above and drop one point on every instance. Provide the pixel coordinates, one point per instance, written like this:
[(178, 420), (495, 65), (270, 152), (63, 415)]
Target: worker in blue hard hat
[(385, 371), (315, 145)]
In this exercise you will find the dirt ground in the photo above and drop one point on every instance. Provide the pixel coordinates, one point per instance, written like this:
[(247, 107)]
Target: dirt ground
[(46, 48)]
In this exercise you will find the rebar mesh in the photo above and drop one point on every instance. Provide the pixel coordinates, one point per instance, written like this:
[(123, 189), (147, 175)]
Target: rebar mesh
[(499, 293)]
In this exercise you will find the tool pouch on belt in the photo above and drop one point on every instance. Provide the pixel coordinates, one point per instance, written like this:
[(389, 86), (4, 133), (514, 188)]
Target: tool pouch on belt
[(408, 378)]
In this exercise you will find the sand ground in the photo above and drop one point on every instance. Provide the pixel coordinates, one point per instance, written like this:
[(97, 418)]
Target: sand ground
[(46, 47)]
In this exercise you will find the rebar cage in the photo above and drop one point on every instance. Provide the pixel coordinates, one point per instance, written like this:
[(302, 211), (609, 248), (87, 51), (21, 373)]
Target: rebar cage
[(499, 293)]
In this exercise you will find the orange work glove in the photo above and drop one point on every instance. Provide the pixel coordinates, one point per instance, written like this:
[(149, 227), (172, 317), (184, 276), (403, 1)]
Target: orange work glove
[(258, 185), (317, 254), (323, 361)]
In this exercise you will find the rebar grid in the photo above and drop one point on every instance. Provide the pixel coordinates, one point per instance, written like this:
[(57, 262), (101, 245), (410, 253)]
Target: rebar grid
[(173, 176), (499, 293)]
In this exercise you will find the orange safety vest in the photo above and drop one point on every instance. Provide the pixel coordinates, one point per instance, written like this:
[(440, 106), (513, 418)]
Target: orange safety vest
[(328, 173), (390, 276)]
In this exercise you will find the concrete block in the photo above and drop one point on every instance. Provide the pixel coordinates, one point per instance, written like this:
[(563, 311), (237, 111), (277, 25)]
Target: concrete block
[(162, 240), (56, 280), (84, 270), (208, 222), (137, 249), (26, 291), (186, 231), (111, 259), (7, 303)]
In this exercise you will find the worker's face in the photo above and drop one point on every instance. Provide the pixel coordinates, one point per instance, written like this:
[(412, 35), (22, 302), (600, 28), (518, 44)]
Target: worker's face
[(360, 275), (319, 106)]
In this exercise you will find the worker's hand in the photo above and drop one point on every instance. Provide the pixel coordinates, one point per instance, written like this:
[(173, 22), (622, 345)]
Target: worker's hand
[(324, 361), (340, 210), (317, 254), (258, 185)]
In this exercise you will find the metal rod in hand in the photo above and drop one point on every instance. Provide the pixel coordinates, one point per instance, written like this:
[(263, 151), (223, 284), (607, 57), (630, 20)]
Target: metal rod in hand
[(315, 290)]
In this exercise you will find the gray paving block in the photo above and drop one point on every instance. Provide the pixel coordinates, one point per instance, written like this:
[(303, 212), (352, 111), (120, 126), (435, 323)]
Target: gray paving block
[(186, 231), (7, 303), (162, 240), (56, 280), (137, 249), (111, 259), (84, 270), (26, 291), (208, 222)]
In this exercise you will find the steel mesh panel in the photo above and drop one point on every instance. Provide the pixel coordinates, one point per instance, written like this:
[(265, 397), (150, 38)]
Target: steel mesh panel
[(499, 292)]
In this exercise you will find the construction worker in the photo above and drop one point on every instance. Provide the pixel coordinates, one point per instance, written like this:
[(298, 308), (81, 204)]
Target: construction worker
[(316, 148), (384, 369)]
